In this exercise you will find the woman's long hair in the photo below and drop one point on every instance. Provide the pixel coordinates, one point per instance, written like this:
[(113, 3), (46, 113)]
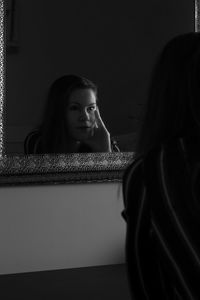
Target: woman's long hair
[(173, 105), (53, 129)]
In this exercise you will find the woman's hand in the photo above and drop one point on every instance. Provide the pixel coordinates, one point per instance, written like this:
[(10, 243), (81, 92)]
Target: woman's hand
[(100, 139)]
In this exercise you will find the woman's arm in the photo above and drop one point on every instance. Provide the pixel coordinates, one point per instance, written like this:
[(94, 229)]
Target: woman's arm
[(100, 141)]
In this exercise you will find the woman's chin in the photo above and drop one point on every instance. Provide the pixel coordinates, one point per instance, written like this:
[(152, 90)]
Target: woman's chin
[(83, 136)]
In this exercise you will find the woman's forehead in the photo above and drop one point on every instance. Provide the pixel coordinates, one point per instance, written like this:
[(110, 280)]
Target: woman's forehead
[(83, 97)]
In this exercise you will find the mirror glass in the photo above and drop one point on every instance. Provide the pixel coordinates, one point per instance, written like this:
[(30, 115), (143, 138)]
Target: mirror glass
[(111, 44)]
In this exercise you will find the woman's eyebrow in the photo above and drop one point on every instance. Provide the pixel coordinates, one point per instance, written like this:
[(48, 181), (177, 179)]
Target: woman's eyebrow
[(80, 104), (74, 102)]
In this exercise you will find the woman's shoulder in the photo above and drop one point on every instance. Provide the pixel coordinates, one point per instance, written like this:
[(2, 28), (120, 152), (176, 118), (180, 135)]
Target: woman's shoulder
[(133, 173), (167, 155), (168, 150), (31, 142), (152, 159), (141, 159)]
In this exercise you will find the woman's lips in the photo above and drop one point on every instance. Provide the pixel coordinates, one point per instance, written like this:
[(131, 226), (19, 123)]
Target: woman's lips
[(84, 128)]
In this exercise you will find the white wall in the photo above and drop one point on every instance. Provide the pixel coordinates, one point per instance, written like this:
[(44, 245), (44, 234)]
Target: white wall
[(63, 226)]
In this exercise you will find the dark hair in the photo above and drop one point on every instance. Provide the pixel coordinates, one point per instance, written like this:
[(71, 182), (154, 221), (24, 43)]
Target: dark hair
[(53, 128), (173, 104)]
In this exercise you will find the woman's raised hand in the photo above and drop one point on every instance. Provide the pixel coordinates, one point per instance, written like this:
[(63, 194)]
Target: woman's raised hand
[(100, 139)]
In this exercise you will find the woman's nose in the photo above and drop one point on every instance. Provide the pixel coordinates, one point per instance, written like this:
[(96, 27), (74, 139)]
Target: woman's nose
[(84, 115)]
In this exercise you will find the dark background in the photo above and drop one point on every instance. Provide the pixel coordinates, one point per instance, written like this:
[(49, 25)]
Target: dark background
[(114, 43)]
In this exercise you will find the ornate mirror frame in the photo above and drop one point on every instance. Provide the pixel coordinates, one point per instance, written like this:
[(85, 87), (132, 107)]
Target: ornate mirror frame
[(56, 169)]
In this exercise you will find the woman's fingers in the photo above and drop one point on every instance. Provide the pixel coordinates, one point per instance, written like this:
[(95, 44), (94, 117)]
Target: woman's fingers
[(99, 120), (100, 138)]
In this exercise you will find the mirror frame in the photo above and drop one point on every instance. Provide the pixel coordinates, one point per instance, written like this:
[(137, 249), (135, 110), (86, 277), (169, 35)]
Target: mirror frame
[(56, 169)]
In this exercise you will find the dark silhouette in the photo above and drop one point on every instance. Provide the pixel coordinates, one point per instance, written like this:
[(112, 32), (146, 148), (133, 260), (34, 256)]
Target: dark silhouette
[(161, 187)]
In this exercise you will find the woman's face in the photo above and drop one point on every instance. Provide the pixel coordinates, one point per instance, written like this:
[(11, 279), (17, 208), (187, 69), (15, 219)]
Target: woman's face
[(80, 114)]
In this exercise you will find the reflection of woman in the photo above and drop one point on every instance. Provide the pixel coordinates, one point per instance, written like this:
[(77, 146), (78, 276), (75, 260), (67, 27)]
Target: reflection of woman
[(162, 187), (72, 121)]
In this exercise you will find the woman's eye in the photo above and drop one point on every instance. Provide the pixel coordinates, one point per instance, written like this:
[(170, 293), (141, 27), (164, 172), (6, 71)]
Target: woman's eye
[(92, 108)]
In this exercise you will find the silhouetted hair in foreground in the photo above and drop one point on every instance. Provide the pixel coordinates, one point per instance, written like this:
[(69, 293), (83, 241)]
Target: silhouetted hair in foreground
[(173, 106), (53, 129), (161, 188)]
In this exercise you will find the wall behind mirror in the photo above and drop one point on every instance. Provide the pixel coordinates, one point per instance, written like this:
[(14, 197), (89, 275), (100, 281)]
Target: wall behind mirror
[(112, 43)]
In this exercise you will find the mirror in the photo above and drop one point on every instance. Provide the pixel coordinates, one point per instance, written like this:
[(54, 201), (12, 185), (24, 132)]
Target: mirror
[(75, 37), (111, 44)]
